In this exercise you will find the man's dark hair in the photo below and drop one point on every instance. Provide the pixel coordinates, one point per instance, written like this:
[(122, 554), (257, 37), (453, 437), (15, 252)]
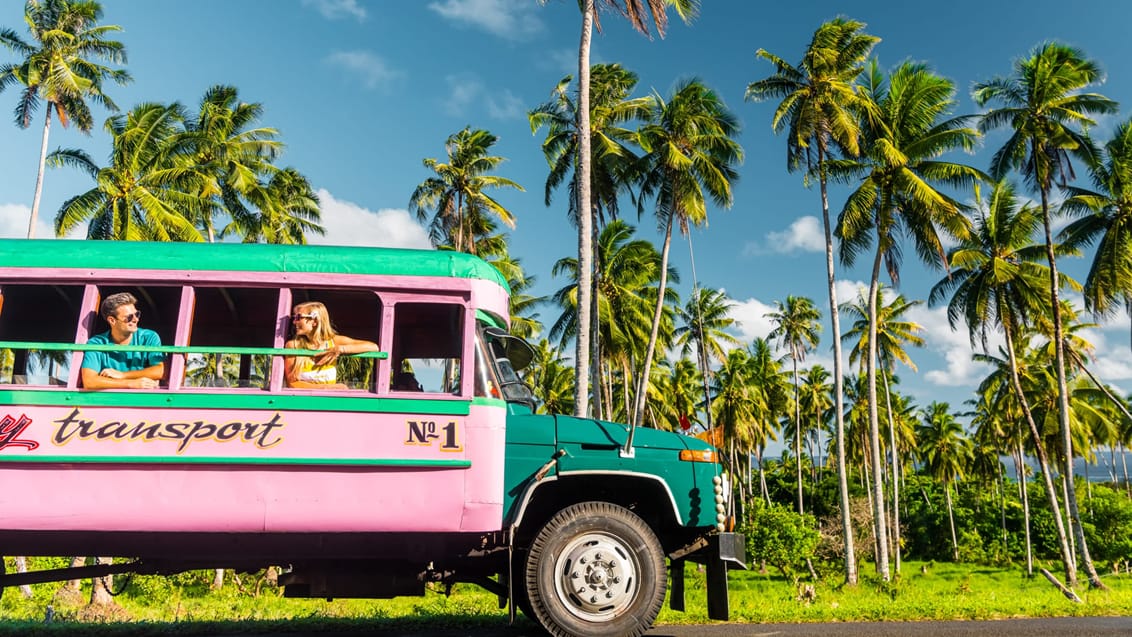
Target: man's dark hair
[(111, 303)]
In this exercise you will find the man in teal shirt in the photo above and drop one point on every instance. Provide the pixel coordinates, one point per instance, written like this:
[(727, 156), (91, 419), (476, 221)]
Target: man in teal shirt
[(123, 370)]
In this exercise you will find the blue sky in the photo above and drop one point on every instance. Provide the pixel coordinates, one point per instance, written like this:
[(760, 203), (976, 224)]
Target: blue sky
[(363, 91)]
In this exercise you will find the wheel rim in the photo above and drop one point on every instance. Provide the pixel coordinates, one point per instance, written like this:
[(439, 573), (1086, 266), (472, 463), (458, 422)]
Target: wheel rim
[(597, 576)]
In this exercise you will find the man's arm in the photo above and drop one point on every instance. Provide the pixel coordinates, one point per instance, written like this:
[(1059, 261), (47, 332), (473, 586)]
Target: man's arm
[(153, 372), (139, 379)]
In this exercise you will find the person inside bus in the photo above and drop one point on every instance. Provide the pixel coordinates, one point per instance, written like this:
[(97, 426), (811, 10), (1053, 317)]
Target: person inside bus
[(126, 369), (310, 323), (406, 381)]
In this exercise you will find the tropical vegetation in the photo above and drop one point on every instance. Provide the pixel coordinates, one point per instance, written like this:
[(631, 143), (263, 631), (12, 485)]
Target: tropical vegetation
[(866, 474)]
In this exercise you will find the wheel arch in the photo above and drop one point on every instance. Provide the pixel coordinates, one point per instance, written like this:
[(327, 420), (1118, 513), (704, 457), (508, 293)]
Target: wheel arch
[(646, 495)]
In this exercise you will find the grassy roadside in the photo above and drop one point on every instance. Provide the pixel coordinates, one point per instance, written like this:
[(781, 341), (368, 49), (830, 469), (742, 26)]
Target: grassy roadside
[(183, 605)]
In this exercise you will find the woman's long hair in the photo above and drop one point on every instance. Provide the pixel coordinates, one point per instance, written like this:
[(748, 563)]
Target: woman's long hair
[(322, 332)]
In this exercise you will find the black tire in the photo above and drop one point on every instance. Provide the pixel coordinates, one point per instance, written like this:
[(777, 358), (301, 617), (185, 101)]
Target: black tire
[(595, 569)]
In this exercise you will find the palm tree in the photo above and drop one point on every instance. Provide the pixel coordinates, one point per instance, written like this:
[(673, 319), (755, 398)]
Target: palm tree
[(705, 319), (146, 193), (550, 379), (680, 388), (691, 154), (285, 210), (1107, 219), (818, 103), (1043, 104), (996, 406), (796, 328), (638, 12), (815, 400), (59, 67), (525, 321), (628, 270), (898, 199), (456, 195), (995, 282), (611, 163), (891, 334), (946, 452), (233, 155)]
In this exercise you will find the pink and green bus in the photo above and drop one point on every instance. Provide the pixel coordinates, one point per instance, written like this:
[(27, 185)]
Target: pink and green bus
[(364, 490)]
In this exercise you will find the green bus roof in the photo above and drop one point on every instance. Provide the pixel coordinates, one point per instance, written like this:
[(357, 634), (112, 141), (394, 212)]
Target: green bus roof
[(243, 257)]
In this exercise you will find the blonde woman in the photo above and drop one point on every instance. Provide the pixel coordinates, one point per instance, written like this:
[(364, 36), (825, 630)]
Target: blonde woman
[(312, 330)]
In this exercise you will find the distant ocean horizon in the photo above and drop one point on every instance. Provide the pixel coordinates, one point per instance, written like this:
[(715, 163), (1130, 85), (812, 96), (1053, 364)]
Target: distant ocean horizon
[(1106, 468)]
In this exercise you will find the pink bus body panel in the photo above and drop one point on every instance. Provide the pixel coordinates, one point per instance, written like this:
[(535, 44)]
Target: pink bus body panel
[(262, 471)]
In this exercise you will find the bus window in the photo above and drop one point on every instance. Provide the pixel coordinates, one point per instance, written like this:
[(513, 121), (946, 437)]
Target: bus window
[(38, 314), (159, 306), (428, 342), (231, 317), (353, 313)]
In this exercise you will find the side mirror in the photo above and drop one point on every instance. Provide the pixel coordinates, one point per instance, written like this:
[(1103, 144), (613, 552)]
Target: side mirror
[(518, 351)]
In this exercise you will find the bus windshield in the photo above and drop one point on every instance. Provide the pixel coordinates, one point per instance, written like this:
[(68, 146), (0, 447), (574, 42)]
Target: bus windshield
[(509, 355)]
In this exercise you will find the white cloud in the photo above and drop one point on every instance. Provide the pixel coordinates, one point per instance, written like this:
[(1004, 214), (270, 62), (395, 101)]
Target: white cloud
[(14, 222), (466, 90), (750, 316), (506, 106), (954, 346), (334, 9), (804, 235), (508, 19), (347, 223), (372, 69), (564, 61)]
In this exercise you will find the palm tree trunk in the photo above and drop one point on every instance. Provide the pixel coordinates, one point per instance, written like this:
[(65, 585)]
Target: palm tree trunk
[(1124, 463), (585, 220), (895, 475), (838, 380), (1000, 484), (626, 375), (100, 586), (643, 383), (762, 475), (22, 567), (74, 585), (951, 521), (1063, 401), (1043, 462), (595, 337), (797, 431), (705, 375), (705, 369), (39, 176), (1068, 520), (874, 422), (1024, 493)]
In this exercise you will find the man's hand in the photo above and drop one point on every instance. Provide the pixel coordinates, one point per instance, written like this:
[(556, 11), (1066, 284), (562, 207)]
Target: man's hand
[(111, 373), (142, 383)]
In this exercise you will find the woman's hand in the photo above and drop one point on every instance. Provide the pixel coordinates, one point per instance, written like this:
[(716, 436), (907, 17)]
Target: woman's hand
[(329, 356)]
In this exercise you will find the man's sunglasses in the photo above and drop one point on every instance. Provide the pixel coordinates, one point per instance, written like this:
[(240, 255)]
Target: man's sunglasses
[(130, 318)]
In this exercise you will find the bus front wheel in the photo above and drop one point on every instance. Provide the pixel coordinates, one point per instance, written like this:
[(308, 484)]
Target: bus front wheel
[(595, 569)]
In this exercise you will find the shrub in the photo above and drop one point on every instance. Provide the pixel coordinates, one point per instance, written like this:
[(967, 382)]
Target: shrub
[(780, 537)]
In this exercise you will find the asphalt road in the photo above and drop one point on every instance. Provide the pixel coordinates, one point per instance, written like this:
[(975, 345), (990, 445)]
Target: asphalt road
[(1058, 627)]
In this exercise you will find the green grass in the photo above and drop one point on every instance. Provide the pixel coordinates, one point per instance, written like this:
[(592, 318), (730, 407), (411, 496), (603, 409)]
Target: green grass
[(182, 605)]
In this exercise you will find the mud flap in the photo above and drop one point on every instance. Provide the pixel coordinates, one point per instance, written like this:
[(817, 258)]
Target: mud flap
[(719, 552), (726, 550)]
